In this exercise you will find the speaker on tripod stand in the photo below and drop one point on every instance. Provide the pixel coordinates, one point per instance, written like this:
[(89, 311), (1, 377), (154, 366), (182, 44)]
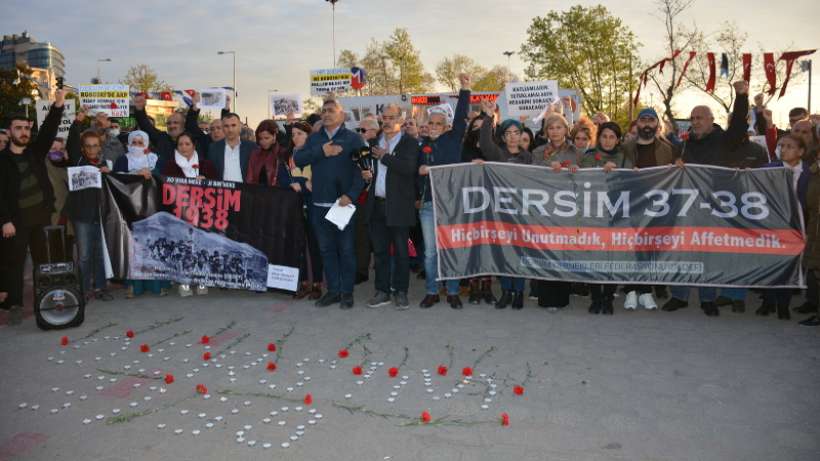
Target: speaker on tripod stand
[(58, 294)]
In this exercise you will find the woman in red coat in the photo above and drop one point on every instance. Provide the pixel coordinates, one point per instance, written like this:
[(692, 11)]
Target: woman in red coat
[(187, 163)]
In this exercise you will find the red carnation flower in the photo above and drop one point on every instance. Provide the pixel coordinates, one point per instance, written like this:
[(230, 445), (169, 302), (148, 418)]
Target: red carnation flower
[(467, 371), (505, 419), (64, 341), (357, 370), (308, 399), (271, 347), (144, 348), (343, 353), (129, 333), (425, 417), (205, 339), (393, 372), (201, 389), (565, 163), (598, 157), (195, 166), (206, 356), (271, 366), (442, 370), (518, 390), (169, 378), (427, 149)]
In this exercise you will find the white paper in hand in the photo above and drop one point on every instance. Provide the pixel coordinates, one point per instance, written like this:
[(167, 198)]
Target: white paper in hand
[(340, 215)]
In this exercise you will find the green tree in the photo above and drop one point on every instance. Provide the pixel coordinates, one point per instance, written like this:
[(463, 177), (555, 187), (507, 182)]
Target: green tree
[(347, 58), (448, 69), (494, 79), (587, 49), (411, 77), (15, 85), (142, 78)]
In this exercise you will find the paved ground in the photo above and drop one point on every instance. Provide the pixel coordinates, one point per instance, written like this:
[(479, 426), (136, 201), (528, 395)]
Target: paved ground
[(635, 386)]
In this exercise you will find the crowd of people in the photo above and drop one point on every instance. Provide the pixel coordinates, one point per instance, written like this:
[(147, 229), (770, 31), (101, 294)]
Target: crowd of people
[(392, 231)]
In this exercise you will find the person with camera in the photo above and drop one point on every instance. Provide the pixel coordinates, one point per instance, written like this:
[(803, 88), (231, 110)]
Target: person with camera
[(335, 178), (391, 210), (26, 200)]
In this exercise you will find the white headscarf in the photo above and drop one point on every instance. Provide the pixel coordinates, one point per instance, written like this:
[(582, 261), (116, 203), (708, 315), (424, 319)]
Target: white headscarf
[(140, 157), (186, 165)]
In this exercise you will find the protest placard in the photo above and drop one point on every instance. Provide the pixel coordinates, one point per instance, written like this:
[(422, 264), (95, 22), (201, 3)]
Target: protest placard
[(529, 98), (281, 104), (212, 99), (69, 112), (324, 81), (283, 277), (362, 106), (84, 177), (111, 99)]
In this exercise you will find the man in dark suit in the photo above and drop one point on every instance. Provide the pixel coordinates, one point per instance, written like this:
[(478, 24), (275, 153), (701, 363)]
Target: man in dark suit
[(391, 207), (230, 156)]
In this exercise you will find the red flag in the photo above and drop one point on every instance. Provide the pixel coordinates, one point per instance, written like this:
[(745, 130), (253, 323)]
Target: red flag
[(165, 96), (710, 84), (771, 75), (747, 67), (790, 57), (692, 55)]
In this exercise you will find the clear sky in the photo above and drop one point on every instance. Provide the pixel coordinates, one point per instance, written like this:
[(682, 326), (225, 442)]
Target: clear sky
[(279, 41)]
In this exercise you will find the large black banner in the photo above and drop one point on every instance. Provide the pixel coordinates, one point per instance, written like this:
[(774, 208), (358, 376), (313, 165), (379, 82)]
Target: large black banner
[(698, 225), (221, 233)]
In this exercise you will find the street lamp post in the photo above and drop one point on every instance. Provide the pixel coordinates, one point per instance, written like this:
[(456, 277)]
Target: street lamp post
[(233, 54), (508, 54), (99, 79), (333, 28)]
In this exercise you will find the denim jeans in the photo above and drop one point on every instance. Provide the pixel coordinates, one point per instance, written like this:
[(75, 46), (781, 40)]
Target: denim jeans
[(338, 252), (735, 294), (512, 283), (428, 230), (706, 294), (89, 246)]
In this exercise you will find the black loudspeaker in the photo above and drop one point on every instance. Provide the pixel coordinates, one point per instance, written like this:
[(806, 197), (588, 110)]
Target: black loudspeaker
[(58, 294)]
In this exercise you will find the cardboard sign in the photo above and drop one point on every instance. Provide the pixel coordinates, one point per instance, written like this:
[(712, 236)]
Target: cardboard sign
[(283, 277), (324, 81), (69, 112), (111, 99), (212, 99), (84, 177), (281, 104), (530, 98)]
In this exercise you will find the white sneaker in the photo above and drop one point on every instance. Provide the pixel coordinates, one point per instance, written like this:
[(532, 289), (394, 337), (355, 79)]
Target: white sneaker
[(202, 290), (647, 301), (631, 302), (185, 290)]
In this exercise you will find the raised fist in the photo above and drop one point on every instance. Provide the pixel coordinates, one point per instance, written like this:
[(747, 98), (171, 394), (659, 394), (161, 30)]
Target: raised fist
[(741, 87)]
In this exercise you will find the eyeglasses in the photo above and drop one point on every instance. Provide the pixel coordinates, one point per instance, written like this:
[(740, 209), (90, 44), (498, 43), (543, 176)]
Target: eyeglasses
[(361, 130)]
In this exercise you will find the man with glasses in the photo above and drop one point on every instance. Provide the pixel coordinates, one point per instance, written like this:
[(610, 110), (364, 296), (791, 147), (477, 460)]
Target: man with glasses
[(335, 178), (163, 141), (26, 200), (391, 208), (368, 129), (442, 147)]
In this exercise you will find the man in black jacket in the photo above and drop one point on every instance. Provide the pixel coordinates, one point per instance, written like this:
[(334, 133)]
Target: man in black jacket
[(391, 207), (164, 142), (709, 144), (26, 200)]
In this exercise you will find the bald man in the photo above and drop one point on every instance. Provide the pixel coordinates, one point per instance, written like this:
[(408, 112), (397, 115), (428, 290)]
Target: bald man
[(709, 144)]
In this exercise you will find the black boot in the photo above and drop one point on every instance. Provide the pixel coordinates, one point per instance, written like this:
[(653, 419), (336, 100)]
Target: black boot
[(765, 309), (518, 300), (487, 291), (595, 307), (475, 292), (783, 311), (607, 308), (506, 299), (806, 308)]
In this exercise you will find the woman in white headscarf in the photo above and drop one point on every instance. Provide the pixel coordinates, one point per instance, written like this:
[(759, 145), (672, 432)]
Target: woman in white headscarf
[(139, 159)]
